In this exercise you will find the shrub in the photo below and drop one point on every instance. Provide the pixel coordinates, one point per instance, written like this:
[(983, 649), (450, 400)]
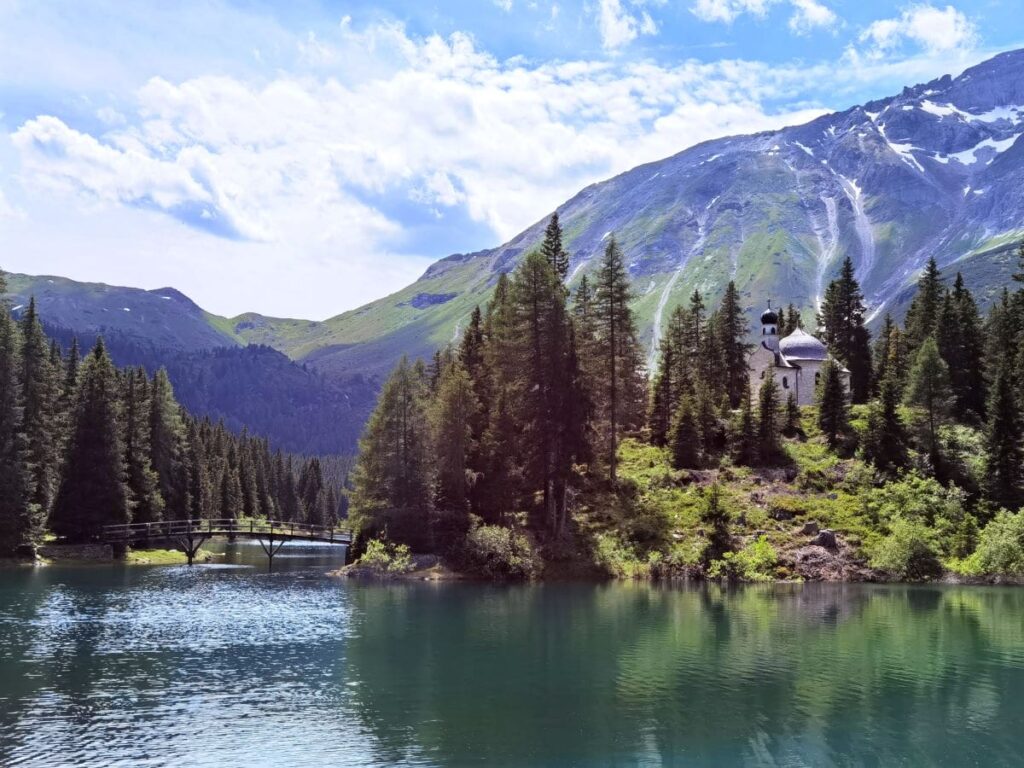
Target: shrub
[(386, 557), (755, 562), (786, 507), (908, 552), (618, 559), (496, 552), (1001, 549)]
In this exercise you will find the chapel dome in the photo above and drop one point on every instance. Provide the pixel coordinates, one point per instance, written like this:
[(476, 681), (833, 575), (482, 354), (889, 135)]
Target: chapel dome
[(768, 317), (802, 346)]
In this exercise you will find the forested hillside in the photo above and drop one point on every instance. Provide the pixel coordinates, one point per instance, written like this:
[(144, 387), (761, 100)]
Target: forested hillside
[(84, 444), (537, 444)]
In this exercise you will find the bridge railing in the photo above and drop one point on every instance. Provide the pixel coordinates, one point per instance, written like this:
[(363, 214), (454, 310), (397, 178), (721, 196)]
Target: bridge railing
[(225, 527)]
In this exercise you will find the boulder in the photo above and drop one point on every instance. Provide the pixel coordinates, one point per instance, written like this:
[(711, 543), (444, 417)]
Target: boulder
[(810, 528), (826, 539)]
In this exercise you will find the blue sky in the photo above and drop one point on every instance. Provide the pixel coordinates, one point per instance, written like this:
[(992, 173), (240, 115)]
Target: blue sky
[(303, 158)]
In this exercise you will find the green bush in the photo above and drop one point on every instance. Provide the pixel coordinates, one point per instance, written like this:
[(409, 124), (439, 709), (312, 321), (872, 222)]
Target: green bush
[(496, 552), (908, 552), (386, 557), (755, 562), (1001, 549)]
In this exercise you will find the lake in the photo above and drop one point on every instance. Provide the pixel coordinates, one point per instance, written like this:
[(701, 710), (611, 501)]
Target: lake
[(228, 665)]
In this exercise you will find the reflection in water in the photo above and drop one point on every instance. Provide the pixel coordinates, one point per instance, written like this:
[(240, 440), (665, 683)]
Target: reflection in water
[(235, 666)]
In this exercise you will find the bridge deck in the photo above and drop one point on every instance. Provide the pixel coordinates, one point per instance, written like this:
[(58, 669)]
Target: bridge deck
[(252, 529)]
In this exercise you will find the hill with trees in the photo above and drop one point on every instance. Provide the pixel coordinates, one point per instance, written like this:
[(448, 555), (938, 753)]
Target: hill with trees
[(537, 445)]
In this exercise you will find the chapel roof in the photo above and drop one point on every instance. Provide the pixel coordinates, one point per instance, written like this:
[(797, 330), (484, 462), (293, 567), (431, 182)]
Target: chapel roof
[(802, 346)]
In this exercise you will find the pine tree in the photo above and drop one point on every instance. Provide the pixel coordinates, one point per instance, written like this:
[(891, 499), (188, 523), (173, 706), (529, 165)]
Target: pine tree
[(792, 425), (969, 384), (618, 361), (732, 330), (452, 414), (833, 409), (671, 378), (684, 437), (92, 492), (1003, 451), (39, 390), (553, 250), (167, 440), (16, 528), (923, 314), (880, 351), (843, 330), (885, 440), (147, 505), (744, 432), (392, 474), (790, 321), (768, 421), (928, 392)]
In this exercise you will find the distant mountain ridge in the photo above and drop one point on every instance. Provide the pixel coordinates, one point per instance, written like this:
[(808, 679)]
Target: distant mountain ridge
[(937, 170)]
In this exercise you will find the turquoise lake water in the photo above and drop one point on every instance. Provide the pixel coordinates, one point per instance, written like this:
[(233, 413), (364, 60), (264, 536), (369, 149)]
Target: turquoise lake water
[(228, 665)]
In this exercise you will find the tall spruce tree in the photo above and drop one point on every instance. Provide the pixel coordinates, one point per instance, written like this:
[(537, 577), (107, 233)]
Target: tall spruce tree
[(744, 436), (16, 529), (147, 505), (732, 333), (923, 313), (833, 408), (768, 427), (929, 393), (1004, 457), (844, 332), (553, 250), (968, 377), (392, 476), (39, 389), (92, 492), (885, 439), (453, 413), (618, 361), (167, 441), (684, 436)]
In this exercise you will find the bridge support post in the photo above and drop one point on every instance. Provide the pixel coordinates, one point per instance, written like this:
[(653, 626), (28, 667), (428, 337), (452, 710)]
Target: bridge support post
[(271, 549), (190, 542)]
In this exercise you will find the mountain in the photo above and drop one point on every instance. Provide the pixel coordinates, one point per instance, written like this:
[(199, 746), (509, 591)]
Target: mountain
[(937, 170), (214, 372)]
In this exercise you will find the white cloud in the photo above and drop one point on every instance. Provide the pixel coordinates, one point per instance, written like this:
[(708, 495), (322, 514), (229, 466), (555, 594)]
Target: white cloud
[(505, 5), (299, 176), (727, 11), (809, 15), (933, 29), (619, 26)]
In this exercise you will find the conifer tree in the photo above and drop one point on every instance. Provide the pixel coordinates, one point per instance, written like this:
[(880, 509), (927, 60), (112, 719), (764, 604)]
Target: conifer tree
[(732, 331), (969, 384), (792, 425), (618, 361), (833, 409), (671, 378), (167, 440), (553, 250), (885, 440), (923, 314), (768, 421), (16, 529), (881, 349), (685, 436), (39, 390), (147, 505), (392, 474), (844, 332), (744, 432), (545, 385), (92, 492), (1003, 450), (790, 321), (928, 392), (200, 494), (452, 414)]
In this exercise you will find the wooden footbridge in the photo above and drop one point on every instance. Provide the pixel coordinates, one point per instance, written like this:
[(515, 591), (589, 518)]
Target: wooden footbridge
[(189, 535)]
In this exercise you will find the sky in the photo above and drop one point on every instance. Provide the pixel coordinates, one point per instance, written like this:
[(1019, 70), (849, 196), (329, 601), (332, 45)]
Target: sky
[(302, 158)]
